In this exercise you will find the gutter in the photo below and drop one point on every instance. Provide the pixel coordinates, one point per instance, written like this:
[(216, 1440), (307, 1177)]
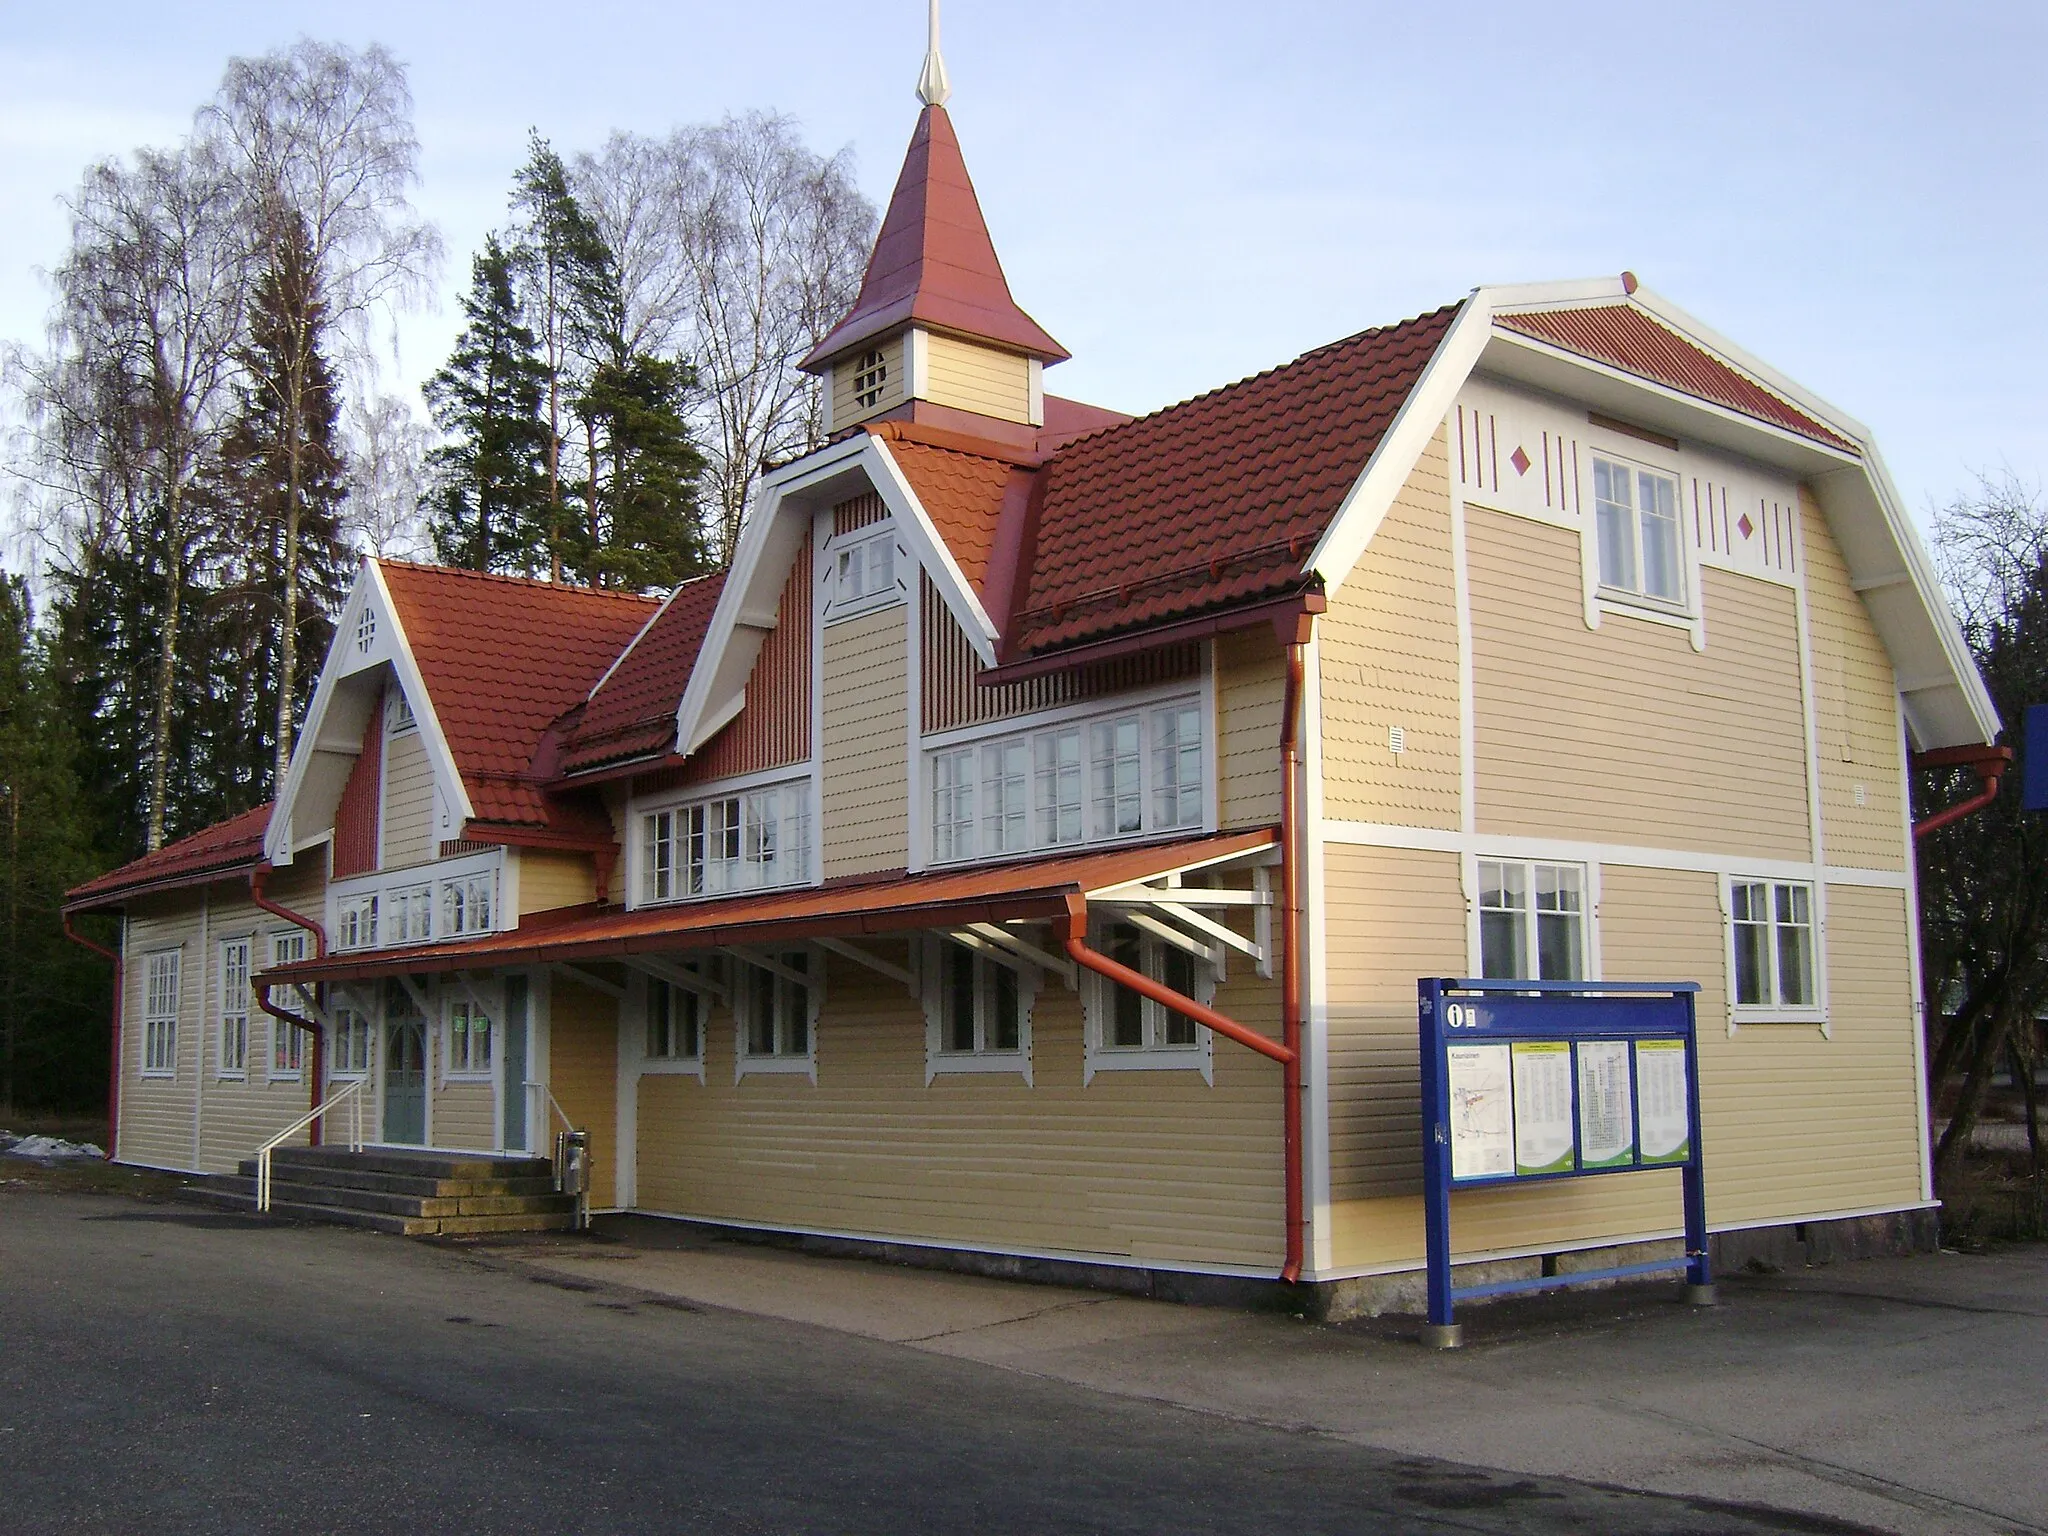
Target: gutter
[(1989, 764), (114, 1040), (257, 877), (1283, 613)]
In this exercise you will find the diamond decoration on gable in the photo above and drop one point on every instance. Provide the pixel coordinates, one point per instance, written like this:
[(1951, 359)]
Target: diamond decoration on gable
[(1746, 527), (1521, 461)]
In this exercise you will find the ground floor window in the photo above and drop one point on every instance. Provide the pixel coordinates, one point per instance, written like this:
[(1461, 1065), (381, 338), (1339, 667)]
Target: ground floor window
[(234, 1008), (351, 1044), (469, 1039), (675, 1023), (1532, 921), (775, 1000), (1773, 934), (160, 1015), (977, 1011), (1127, 1029)]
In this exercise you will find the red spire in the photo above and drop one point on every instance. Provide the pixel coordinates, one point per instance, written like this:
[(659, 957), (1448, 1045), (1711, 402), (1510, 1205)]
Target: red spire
[(934, 263)]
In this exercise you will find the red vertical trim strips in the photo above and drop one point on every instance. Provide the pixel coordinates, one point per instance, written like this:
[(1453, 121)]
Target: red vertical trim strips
[(774, 729), (355, 818)]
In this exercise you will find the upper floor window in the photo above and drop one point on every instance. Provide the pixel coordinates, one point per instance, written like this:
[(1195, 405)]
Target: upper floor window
[(1122, 775), (864, 570), (870, 378), (366, 629), (466, 903), (1532, 921), (160, 1015), (398, 716), (1636, 512), (1773, 933), (739, 842), (409, 914)]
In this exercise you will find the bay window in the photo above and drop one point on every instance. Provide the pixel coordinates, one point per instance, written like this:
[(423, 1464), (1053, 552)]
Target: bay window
[(739, 842)]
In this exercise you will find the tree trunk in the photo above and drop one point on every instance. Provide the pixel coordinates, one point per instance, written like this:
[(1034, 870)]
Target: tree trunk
[(2023, 1067), (1955, 1141), (166, 665), (288, 629)]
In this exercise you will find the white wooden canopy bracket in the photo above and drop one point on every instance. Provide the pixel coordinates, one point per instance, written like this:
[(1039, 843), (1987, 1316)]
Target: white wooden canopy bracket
[(1013, 938), (418, 994), (873, 962), (591, 979), (774, 967), (677, 976)]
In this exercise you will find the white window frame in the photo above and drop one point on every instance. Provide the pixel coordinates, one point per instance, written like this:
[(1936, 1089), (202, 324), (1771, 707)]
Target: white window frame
[(1099, 1000), (162, 992), (398, 713), (461, 896), (967, 810), (1774, 1011), (457, 1003), (866, 568), (1637, 599), (352, 1027), (793, 802), (870, 378), (1589, 890), (355, 920), (407, 914), (743, 977), (287, 1041), (231, 1037), (673, 1063), (366, 629), (939, 1060)]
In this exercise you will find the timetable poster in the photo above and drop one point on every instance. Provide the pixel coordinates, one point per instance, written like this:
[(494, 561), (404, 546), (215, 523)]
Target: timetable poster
[(1606, 1111), (1482, 1121), (1663, 1101), (1543, 1106)]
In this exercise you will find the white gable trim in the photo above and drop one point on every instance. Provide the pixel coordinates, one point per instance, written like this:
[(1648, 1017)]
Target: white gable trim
[(396, 650), (1927, 646), (717, 688)]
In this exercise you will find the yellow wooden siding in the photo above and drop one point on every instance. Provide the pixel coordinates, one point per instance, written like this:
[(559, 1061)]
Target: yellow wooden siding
[(865, 823), (846, 410), (157, 1113), (583, 1064), (1393, 915), (239, 1116), (1158, 1167), (1251, 691), (1855, 710), (1794, 1123), (464, 1114), (408, 820), (1389, 653), (1624, 734), (550, 880), (977, 378)]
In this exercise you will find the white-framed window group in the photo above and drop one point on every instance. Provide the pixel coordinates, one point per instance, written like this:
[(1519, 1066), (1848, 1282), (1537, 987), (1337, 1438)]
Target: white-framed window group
[(864, 570), (1128, 774), (747, 841), (1532, 920), (1774, 949), (443, 902), (1641, 543)]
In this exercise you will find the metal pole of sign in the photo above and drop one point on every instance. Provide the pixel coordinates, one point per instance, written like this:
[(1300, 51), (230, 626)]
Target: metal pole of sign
[(1439, 1332), (1699, 1271)]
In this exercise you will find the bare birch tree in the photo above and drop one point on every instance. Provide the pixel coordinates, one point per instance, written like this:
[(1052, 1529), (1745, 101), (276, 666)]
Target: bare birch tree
[(127, 404), (322, 144), (387, 475), (739, 247)]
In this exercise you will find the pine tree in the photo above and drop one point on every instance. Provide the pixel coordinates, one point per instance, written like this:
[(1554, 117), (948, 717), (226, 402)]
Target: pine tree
[(490, 498), (284, 570), (53, 994), (645, 530)]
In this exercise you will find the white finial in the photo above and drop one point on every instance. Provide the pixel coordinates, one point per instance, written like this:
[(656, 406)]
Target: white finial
[(932, 85)]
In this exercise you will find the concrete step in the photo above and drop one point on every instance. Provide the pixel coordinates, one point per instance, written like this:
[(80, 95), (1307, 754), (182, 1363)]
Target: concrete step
[(287, 1189), (414, 1164), (347, 1177), (450, 1225)]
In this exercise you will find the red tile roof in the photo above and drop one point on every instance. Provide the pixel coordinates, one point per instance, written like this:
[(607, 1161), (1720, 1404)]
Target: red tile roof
[(1623, 335), (885, 904), (962, 492), (503, 658), (220, 849), (1216, 501), (934, 262), (632, 713)]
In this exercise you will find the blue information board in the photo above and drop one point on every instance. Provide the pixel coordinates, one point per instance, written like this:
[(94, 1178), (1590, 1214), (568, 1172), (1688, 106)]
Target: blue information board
[(1525, 1082), (2034, 762)]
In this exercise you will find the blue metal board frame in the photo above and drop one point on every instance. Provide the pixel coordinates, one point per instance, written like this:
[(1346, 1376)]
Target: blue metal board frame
[(2034, 761), (1460, 1012)]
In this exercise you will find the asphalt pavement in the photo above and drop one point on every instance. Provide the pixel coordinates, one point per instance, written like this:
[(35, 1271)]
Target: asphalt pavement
[(169, 1369)]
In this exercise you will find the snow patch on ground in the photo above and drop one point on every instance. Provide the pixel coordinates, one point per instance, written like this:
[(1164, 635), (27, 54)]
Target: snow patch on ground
[(46, 1149)]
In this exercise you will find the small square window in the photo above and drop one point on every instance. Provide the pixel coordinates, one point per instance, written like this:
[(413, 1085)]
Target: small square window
[(870, 378)]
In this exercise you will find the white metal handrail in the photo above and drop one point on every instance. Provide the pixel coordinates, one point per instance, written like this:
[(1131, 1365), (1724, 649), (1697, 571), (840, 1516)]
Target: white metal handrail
[(352, 1095)]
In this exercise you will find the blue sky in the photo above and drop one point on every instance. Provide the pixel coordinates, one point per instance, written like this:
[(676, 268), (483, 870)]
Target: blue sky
[(1186, 192)]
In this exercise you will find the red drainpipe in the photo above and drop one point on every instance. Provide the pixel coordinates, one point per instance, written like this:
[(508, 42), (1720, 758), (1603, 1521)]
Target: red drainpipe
[(114, 1044), (257, 877), (1989, 764), (1290, 945)]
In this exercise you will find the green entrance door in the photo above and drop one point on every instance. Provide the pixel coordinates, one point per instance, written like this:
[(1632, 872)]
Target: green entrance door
[(405, 1082)]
